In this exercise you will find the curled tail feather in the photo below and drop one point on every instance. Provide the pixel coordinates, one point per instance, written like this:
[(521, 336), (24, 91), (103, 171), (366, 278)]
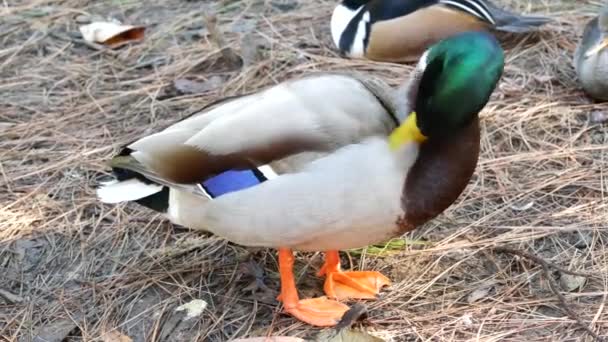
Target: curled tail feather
[(132, 186), (133, 189)]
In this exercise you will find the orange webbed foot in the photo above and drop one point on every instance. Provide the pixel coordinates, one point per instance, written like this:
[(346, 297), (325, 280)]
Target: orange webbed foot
[(350, 284), (319, 311), (360, 285)]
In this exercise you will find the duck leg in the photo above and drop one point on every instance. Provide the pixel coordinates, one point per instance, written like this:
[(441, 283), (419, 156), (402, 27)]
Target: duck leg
[(344, 285), (315, 311)]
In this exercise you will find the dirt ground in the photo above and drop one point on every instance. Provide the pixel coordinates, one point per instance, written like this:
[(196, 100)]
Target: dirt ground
[(74, 269)]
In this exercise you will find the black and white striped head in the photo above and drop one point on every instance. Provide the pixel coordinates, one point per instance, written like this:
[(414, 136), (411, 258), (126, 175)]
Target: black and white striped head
[(350, 27)]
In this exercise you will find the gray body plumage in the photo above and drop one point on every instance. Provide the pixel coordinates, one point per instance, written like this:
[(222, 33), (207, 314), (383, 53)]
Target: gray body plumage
[(592, 71)]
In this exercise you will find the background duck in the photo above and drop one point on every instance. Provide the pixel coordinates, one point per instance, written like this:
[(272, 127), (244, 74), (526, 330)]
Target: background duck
[(364, 189), (591, 57), (400, 30)]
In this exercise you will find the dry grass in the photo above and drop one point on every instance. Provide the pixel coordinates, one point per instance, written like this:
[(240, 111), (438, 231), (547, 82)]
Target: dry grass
[(69, 261)]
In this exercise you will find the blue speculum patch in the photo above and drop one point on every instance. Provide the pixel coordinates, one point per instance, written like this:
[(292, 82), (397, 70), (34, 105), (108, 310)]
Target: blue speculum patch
[(233, 180)]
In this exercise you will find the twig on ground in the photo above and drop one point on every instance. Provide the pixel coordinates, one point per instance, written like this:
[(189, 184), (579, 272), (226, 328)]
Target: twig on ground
[(11, 297), (542, 261), (355, 313), (554, 287), (217, 37)]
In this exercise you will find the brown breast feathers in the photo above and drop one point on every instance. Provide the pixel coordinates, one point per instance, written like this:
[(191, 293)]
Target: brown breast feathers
[(439, 175)]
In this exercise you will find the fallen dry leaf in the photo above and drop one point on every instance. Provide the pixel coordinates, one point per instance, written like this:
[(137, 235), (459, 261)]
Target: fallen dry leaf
[(193, 308), (111, 33), (115, 336), (479, 293), (571, 282)]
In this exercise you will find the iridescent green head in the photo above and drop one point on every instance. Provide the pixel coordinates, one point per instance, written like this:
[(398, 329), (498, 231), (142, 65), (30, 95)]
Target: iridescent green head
[(460, 75)]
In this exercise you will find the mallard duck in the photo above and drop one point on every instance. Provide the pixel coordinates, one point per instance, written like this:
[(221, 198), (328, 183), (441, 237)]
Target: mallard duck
[(401, 30), (322, 163), (591, 57)]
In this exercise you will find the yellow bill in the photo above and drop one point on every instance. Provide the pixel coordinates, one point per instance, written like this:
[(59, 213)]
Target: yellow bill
[(408, 131), (597, 48)]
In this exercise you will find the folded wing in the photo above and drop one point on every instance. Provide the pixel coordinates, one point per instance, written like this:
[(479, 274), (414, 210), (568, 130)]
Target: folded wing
[(317, 113)]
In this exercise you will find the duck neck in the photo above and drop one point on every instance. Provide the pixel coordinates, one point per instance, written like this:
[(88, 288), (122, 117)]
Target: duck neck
[(404, 96), (442, 170)]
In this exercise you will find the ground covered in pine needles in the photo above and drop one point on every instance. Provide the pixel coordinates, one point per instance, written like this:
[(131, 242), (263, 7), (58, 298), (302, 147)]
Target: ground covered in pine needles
[(75, 269)]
